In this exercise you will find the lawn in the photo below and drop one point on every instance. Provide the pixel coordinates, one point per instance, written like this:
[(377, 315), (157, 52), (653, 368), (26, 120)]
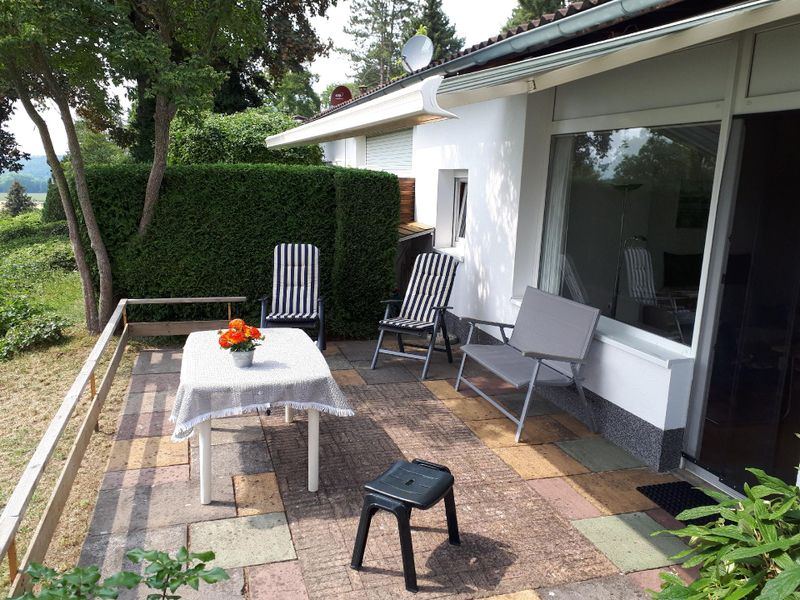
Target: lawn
[(33, 384)]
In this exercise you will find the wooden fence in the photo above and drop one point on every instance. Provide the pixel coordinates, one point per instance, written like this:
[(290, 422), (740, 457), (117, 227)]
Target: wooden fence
[(17, 506)]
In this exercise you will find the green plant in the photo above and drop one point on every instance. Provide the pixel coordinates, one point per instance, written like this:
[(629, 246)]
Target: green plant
[(17, 201), (53, 209), (24, 323), (161, 572), (751, 551)]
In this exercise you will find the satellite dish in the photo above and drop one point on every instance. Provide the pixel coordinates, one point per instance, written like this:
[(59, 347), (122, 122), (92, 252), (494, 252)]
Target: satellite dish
[(340, 95), (417, 53)]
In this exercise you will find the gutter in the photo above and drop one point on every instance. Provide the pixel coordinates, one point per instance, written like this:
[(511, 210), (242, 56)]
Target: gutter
[(533, 39)]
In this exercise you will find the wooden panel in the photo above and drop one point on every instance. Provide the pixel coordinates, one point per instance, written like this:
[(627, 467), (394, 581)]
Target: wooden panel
[(143, 329), (407, 199), (199, 300), (40, 542)]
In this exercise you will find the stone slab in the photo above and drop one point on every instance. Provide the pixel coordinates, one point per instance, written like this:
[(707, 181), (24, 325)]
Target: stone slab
[(107, 551), (154, 382), (233, 430), (536, 462), (387, 374), (277, 580), (573, 424), (651, 578), (442, 389), (614, 492), (515, 401), (472, 409), (141, 453), (145, 477), (490, 385), (357, 349), (148, 507), (145, 424), (227, 460), (598, 454), (628, 542), (337, 362), (158, 361), (616, 587), (348, 377), (150, 401), (257, 494), (497, 433), (564, 498), (523, 595), (244, 541)]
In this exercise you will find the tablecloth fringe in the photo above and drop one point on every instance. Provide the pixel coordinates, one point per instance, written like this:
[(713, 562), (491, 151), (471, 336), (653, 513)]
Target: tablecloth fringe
[(187, 430)]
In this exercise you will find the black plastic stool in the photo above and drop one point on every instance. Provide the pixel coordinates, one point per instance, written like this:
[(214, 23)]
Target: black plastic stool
[(406, 485)]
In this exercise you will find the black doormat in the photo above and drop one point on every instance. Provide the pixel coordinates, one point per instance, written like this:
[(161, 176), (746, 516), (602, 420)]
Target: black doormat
[(676, 497)]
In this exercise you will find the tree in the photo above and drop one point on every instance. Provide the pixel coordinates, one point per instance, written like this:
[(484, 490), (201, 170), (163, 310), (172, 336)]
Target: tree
[(17, 201), (432, 17), (53, 51), (528, 10), (377, 27), (11, 156), (295, 95), (325, 97)]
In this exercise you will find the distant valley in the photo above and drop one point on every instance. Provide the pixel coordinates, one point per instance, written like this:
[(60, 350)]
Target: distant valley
[(33, 177)]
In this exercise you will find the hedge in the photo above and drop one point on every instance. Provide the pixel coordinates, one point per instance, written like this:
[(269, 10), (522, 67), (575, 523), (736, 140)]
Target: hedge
[(216, 225), (53, 209)]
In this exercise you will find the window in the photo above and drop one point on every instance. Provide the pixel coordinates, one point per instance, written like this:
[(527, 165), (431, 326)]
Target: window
[(459, 211), (625, 223)]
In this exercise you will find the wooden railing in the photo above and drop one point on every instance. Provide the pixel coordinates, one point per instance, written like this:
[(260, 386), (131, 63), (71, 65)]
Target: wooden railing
[(18, 503)]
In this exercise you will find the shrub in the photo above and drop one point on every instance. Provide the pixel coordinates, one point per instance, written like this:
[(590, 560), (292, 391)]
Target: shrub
[(52, 210), (23, 324), (194, 248), (28, 225), (17, 201), (236, 138), (752, 549)]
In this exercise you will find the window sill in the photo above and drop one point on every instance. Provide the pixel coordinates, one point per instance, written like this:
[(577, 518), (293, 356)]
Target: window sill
[(457, 253)]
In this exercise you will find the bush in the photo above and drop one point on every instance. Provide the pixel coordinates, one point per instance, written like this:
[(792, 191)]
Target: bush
[(52, 210), (752, 549), (236, 138), (17, 200), (215, 228), (23, 324)]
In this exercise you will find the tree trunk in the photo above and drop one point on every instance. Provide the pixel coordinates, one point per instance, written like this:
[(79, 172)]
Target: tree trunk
[(89, 300), (165, 112), (82, 188)]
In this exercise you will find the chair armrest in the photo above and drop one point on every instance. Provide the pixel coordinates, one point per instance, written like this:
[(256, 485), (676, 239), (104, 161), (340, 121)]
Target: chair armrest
[(262, 298), (442, 307), (485, 322), (542, 356), (392, 301)]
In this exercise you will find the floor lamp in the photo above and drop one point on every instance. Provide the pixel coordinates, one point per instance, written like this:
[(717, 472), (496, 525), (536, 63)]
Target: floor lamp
[(627, 188)]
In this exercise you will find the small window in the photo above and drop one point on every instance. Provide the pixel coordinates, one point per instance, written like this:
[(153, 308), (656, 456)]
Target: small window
[(459, 211)]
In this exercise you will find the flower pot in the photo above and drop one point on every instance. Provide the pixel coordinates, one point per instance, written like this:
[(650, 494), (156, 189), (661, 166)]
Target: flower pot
[(242, 359)]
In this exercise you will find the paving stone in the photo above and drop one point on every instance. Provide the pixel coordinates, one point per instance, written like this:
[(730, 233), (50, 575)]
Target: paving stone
[(282, 580), (244, 458), (516, 400), (107, 551), (651, 578), (628, 542), (604, 588), (232, 430), (472, 409), (663, 518), (573, 424), (564, 498), (348, 377), (337, 362), (491, 385), (150, 401), (387, 374), (442, 389), (497, 433), (357, 349), (523, 595), (134, 508), (244, 541), (149, 424), (536, 462), (145, 477), (158, 361), (257, 494), (598, 454), (154, 382), (140, 453), (331, 349), (614, 492)]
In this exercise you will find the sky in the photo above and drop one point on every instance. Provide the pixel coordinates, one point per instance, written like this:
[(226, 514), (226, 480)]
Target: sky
[(475, 20)]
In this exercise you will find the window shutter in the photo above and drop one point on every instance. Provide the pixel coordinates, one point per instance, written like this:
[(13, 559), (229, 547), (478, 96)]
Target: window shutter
[(390, 152)]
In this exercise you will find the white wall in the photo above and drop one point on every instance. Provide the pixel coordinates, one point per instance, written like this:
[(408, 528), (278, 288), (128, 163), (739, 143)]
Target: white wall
[(487, 141), (345, 153)]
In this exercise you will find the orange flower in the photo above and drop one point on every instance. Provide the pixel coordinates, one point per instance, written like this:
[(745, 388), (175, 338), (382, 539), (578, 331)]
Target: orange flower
[(237, 324), (254, 333), (224, 341), (236, 337)]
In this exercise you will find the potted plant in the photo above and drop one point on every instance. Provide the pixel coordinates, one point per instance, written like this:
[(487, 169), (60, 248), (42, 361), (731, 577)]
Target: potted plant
[(241, 339)]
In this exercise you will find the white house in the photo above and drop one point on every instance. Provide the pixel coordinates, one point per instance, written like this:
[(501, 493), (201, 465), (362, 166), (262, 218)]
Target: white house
[(641, 156)]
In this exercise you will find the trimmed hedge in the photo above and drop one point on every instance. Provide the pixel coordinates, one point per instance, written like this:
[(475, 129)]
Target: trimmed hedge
[(216, 225), (52, 210)]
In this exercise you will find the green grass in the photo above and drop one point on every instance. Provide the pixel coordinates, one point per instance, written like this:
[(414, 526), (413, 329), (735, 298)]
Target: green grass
[(38, 197)]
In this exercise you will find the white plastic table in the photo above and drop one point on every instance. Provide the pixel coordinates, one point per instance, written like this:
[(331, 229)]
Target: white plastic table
[(288, 370)]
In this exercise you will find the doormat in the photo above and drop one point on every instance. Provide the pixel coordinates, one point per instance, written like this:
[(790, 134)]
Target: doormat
[(676, 497)]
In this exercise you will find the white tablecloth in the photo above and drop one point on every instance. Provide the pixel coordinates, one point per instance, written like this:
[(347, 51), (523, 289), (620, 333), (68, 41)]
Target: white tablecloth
[(287, 370)]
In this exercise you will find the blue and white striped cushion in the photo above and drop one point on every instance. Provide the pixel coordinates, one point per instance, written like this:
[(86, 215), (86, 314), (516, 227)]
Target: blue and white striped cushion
[(430, 285), (295, 282), (641, 281), (399, 323)]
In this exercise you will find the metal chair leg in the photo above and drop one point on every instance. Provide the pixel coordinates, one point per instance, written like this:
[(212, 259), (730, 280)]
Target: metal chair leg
[(407, 549), (377, 349), (447, 342), (322, 341), (368, 510), (583, 398), (461, 371), (452, 521), (429, 354), (528, 396), (400, 344)]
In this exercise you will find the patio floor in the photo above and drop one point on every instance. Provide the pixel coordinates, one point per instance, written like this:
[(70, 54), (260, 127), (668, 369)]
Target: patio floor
[(557, 516)]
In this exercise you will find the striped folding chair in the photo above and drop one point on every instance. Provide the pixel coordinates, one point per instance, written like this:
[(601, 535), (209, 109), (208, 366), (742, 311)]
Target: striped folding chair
[(295, 291), (422, 310)]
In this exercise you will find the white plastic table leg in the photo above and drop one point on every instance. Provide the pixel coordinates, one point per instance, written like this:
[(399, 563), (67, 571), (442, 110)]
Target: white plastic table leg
[(313, 450), (288, 414), (204, 433)]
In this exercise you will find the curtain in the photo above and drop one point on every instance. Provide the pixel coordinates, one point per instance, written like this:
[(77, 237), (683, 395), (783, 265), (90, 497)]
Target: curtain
[(557, 210)]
